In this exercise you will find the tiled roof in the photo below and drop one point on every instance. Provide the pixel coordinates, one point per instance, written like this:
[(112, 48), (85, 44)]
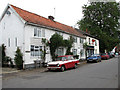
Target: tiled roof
[(36, 19)]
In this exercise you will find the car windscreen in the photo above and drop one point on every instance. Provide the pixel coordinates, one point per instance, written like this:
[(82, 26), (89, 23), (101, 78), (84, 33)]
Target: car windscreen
[(103, 54), (70, 58), (93, 55), (61, 58)]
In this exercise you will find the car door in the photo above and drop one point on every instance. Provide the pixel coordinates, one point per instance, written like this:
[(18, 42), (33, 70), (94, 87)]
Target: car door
[(69, 63), (72, 61)]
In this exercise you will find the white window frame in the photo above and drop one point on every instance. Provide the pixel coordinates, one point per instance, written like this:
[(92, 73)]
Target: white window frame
[(81, 40), (59, 51), (75, 39), (36, 50), (75, 50), (39, 32)]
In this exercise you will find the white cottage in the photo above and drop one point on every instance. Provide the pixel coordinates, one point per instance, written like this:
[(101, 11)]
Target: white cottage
[(92, 42), (23, 29)]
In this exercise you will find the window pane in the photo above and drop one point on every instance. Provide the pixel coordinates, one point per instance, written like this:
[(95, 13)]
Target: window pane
[(43, 32), (35, 31), (74, 51), (16, 42), (38, 33), (32, 47), (8, 42)]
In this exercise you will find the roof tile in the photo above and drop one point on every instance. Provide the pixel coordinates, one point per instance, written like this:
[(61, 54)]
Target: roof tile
[(36, 19)]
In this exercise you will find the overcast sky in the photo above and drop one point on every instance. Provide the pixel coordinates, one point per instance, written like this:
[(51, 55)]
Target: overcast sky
[(66, 11)]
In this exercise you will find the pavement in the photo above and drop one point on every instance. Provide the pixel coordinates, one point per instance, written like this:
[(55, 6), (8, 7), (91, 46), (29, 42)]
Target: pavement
[(5, 71)]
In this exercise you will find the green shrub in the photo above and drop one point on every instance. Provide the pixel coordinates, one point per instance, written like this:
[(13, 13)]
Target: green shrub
[(18, 59)]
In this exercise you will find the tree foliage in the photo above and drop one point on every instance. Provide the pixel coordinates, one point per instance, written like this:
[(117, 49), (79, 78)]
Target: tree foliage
[(68, 44), (5, 59), (18, 59), (3, 54), (85, 45), (44, 41), (57, 41), (101, 19)]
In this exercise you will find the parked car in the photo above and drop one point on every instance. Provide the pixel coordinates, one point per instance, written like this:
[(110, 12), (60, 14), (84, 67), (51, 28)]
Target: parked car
[(116, 54), (119, 53), (63, 62), (94, 58), (105, 56), (110, 55), (113, 54)]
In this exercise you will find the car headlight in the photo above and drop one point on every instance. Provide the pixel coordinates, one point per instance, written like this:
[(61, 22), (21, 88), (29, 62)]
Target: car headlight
[(47, 65)]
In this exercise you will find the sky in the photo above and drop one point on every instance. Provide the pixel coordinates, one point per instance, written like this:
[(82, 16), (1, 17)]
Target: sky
[(68, 12)]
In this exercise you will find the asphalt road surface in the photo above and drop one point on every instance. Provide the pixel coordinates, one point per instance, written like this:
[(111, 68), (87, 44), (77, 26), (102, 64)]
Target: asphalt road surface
[(92, 75)]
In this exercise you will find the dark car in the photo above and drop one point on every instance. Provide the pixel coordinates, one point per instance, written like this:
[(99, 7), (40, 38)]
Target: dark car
[(105, 56), (94, 58)]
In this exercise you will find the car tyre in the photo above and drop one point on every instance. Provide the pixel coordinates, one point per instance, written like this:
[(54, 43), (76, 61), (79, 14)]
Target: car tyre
[(63, 68), (75, 66), (87, 61), (96, 61), (49, 69)]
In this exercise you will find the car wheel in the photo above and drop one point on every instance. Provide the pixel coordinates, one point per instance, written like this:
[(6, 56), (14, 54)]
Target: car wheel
[(96, 61), (49, 69), (62, 68), (87, 61), (75, 66)]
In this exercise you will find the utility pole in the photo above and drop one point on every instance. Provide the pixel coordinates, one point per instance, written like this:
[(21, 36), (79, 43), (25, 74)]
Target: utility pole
[(54, 12)]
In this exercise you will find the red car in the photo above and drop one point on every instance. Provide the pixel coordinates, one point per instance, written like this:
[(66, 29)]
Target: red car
[(105, 56), (63, 62)]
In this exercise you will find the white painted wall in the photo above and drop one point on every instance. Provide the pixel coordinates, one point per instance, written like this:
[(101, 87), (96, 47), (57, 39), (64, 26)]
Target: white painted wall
[(31, 40), (96, 48), (11, 27)]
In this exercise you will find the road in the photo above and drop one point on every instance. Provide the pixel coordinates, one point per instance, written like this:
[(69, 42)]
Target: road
[(92, 75)]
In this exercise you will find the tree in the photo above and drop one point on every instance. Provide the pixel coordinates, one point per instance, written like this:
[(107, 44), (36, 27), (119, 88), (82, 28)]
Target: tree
[(5, 59), (18, 59), (3, 54), (68, 43), (101, 19), (46, 43), (55, 42), (85, 47)]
